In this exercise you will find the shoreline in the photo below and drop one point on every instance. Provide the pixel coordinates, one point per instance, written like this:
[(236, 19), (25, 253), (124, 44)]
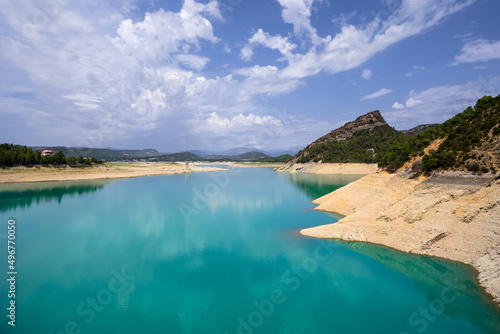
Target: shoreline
[(110, 171), (255, 164), (329, 168), (446, 216), (470, 268)]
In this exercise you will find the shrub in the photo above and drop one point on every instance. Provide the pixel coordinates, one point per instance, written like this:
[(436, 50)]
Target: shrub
[(473, 168), (417, 166)]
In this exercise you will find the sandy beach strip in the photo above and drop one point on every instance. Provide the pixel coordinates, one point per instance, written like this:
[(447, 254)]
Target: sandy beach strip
[(451, 217), (106, 171)]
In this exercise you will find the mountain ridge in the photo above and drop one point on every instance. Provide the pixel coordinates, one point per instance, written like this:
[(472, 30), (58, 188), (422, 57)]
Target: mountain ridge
[(360, 141), (469, 141)]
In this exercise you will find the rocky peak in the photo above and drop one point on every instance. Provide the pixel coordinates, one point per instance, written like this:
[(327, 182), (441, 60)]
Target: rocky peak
[(368, 121)]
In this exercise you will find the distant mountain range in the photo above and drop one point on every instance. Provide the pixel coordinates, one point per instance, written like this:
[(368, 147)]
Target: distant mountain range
[(152, 155), (106, 154), (242, 150)]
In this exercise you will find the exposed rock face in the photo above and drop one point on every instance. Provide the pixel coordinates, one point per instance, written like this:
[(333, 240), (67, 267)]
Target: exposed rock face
[(449, 215), (368, 121)]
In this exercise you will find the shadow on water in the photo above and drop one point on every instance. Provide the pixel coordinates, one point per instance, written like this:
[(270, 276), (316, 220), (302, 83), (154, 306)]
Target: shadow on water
[(450, 287), (24, 195), (317, 185)]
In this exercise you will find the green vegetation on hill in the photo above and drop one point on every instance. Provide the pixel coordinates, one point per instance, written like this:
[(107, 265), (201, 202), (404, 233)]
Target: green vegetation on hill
[(101, 153), (248, 156), (462, 135), (281, 158), (16, 155), (364, 146), (185, 156)]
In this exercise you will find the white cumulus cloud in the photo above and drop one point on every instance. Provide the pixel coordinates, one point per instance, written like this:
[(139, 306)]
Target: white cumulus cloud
[(216, 123), (99, 71), (377, 94), (298, 13), (480, 50), (412, 102), (354, 45), (162, 33), (257, 71), (437, 104), (272, 42), (192, 61)]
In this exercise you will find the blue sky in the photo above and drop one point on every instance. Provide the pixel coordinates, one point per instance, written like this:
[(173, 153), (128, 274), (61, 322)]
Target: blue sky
[(273, 74)]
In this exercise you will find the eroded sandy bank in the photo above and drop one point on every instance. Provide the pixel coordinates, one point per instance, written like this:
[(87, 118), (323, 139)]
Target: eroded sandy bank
[(23, 174), (326, 168), (456, 217)]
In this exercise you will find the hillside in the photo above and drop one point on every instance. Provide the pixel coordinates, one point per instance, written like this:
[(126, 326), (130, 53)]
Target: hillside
[(364, 140), (152, 155), (184, 156), (419, 129), (281, 158), (443, 201), (248, 156), (470, 141), (100, 153), (16, 155)]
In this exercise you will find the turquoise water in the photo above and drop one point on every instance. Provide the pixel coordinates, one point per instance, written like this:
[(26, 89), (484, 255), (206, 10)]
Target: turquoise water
[(216, 253)]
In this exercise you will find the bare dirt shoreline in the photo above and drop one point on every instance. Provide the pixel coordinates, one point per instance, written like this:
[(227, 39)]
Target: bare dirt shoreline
[(110, 171), (329, 168), (452, 216)]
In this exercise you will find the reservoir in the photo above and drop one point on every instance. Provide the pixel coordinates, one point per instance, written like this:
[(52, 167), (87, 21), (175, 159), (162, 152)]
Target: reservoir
[(216, 253)]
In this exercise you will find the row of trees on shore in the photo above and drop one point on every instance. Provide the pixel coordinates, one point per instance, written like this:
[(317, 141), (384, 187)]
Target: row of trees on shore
[(16, 155)]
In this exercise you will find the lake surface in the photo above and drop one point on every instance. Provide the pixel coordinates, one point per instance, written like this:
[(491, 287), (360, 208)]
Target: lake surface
[(216, 253)]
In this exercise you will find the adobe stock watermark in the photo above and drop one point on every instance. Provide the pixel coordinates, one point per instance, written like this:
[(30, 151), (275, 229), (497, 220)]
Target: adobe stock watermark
[(47, 10), (425, 315), (108, 126), (202, 196), (226, 6), (392, 7), (88, 309), (293, 279)]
